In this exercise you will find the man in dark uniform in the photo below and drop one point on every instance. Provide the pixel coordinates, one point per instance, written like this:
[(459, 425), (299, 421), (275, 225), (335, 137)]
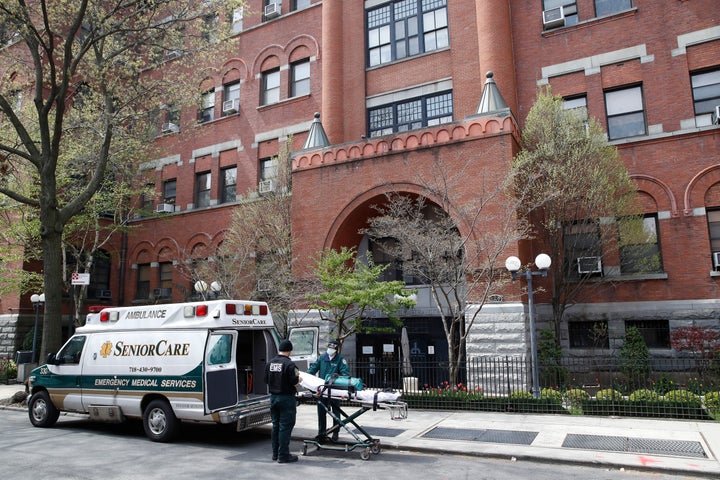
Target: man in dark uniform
[(281, 376)]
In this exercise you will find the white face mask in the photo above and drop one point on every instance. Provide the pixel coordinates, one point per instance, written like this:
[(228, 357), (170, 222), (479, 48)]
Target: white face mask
[(331, 352)]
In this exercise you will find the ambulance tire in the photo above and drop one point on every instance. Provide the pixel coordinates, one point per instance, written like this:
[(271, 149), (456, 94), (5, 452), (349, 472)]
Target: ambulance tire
[(160, 422), (41, 410)]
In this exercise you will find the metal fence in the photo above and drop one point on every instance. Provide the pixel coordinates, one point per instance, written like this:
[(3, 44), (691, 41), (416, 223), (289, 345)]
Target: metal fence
[(660, 387)]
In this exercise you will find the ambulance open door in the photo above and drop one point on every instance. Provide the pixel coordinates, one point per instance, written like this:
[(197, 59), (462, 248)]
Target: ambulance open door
[(221, 379), (305, 345)]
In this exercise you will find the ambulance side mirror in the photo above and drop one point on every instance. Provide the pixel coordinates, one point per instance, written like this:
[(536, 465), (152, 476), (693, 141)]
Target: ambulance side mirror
[(51, 359)]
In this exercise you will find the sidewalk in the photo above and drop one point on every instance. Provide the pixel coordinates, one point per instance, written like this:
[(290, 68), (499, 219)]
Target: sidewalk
[(667, 446)]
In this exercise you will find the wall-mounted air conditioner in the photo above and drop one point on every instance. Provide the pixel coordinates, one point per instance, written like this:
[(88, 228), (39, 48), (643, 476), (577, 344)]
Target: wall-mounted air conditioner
[(264, 285), (588, 265), (715, 117), (170, 127), (165, 208), (272, 10), (716, 260), (231, 106), (553, 18), (162, 292), (266, 186)]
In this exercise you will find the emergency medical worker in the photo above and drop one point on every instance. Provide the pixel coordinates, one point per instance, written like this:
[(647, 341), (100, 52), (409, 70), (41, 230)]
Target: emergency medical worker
[(281, 376), (330, 363)]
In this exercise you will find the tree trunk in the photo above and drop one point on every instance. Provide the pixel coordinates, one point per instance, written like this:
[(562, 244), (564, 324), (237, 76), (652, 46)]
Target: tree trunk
[(52, 274)]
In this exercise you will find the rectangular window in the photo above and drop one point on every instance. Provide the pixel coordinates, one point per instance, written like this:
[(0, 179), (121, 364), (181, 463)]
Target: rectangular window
[(271, 86), (411, 114), (569, 11), (404, 28), (299, 4), (169, 191), (608, 7), (165, 274), (268, 168), (625, 113), (210, 28), (207, 107), (228, 191), (582, 249), (237, 19), (639, 245), (713, 218), (656, 333), (589, 334), (300, 78), (147, 199), (706, 95), (142, 287), (231, 99), (202, 190)]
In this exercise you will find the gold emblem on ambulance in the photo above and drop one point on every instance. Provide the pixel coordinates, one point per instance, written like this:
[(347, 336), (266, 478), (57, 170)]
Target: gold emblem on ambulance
[(106, 349)]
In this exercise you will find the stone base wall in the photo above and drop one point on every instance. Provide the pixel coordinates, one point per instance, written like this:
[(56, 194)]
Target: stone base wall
[(8, 331)]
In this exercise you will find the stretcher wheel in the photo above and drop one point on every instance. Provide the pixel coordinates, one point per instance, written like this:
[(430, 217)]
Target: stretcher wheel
[(365, 454), (375, 448), (304, 449)]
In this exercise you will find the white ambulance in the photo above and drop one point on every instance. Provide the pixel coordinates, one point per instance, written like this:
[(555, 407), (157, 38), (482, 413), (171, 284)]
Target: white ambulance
[(200, 361)]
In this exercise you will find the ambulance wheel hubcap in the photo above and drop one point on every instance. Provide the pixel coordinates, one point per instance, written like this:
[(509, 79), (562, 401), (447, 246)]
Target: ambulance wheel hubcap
[(39, 410), (157, 421)]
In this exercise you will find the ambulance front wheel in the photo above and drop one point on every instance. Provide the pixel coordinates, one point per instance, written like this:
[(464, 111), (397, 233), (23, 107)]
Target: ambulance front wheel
[(159, 421), (42, 411)]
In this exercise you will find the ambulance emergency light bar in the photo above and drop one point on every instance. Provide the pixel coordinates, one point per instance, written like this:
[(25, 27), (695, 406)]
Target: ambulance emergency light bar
[(190, 311)]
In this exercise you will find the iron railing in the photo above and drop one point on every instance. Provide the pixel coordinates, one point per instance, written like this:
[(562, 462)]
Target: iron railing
[(659, 387)]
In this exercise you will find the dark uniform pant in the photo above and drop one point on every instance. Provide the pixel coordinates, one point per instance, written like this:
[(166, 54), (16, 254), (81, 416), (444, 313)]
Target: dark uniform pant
[(331, 405), (283, 411)]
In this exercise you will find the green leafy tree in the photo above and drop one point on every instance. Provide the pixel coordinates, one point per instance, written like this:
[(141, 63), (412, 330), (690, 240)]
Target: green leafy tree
[(349, 288), (84, 83), (574, 188)]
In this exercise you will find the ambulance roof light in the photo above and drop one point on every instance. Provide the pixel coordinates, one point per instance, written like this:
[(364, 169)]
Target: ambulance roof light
[(201, 310), (230, 309)]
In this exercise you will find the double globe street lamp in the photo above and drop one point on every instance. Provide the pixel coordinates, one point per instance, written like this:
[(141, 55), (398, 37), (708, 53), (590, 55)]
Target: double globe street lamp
[(38, 302), (542, 262)]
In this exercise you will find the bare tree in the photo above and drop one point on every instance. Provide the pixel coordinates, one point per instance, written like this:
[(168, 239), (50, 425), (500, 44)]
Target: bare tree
[(579, 196), (93, 72), (453, 241)]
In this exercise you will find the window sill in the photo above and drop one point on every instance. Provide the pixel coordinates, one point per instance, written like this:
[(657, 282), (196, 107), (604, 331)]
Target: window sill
[(590, 22), (282, 103), (627, 278)]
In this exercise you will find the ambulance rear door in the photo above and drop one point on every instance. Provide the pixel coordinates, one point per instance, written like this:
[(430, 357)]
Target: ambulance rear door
[(305, 345), (221, 377)]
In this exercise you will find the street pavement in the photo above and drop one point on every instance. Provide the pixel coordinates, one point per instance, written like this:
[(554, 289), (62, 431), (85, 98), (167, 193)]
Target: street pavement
[(666, 446)]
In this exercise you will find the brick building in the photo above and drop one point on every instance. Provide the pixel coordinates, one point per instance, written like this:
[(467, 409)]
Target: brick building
[(398, 84)]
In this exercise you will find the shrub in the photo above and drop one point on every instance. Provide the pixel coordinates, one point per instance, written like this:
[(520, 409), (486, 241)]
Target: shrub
[(551, 394), (608, 394), (644, 395), (8, 369), (575, 396), (521, 395), (681, 396), (712, 400), (664, 385)]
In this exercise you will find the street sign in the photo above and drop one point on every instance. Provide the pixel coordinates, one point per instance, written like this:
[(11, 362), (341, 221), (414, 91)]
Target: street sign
[(80, 279)]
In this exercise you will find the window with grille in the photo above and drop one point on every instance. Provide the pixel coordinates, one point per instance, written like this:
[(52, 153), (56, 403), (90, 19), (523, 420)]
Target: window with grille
[(411, 114), (656, 333), (406, 28)]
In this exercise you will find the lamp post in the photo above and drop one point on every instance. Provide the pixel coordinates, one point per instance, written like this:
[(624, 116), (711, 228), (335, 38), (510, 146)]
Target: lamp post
[(38, 302), (542, 262), (202, 287)]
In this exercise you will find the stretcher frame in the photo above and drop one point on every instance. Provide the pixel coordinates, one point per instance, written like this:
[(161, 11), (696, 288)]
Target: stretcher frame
[(363, 440)]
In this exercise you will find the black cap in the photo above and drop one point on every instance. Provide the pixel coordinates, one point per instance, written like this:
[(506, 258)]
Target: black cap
[(332, 343), (285, 346)]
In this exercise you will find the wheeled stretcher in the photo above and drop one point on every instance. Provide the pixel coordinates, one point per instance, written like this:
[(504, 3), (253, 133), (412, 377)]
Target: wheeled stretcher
[(319, 390)]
